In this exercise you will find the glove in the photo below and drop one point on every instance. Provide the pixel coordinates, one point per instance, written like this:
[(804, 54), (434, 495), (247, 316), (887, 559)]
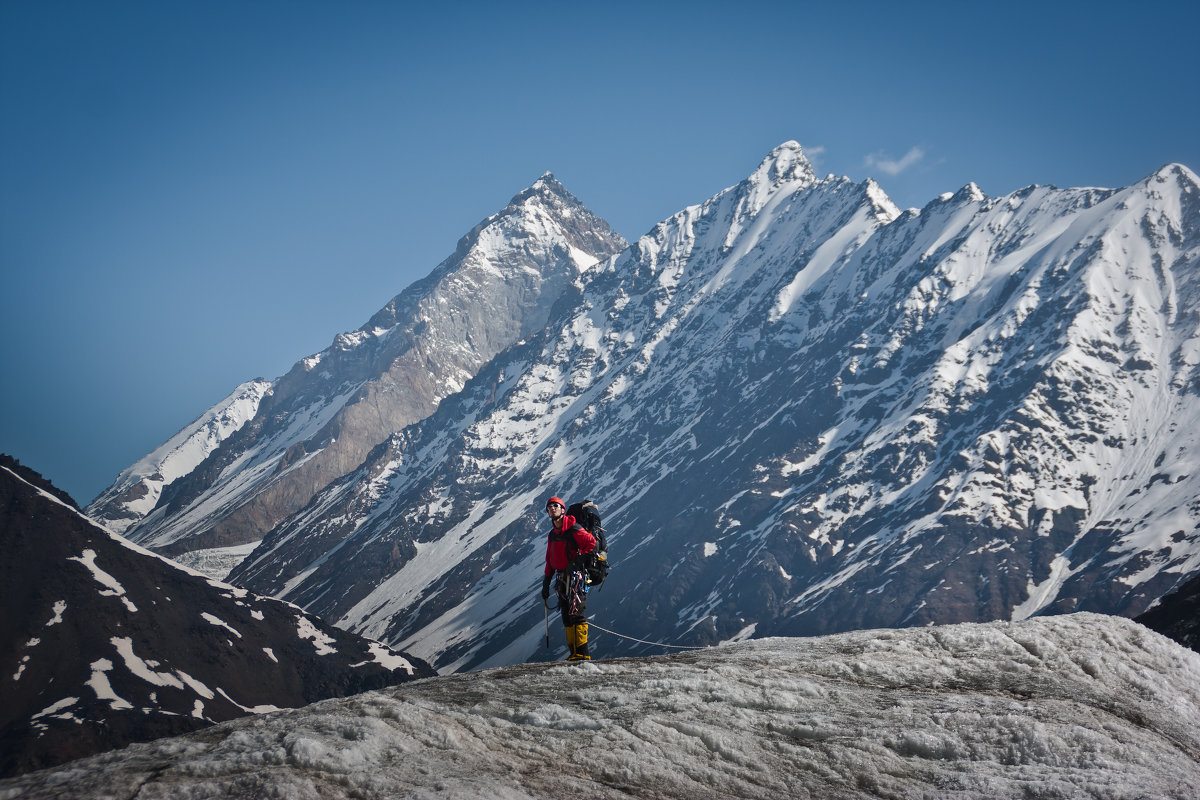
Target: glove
[(545, 587)]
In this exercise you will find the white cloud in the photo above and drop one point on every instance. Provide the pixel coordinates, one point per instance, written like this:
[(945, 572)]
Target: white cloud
[(894, 166)]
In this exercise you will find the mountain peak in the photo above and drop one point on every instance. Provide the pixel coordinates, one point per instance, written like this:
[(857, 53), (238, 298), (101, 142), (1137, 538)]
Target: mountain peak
[(589, 233), (885, 210), (971, 193), (413, 353), (549, 189), (784, 164), (547, 182), (1175, 173)]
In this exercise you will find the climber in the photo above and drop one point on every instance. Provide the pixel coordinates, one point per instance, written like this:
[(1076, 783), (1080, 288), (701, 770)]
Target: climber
[(567, 548)]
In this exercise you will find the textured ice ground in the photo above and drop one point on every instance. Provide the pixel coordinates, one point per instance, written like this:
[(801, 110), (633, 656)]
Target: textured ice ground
[(1075, 706)]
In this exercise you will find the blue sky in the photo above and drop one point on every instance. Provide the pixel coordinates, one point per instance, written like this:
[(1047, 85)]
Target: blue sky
[(193, 194)]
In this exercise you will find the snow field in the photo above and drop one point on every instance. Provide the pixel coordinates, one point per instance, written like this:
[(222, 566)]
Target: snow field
[(1078, 706)]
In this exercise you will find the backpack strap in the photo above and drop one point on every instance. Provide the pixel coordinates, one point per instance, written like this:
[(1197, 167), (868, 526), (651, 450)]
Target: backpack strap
[(566, 535)]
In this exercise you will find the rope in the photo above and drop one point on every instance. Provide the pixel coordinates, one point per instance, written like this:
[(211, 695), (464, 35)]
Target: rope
[(643, 641), (623, 636)]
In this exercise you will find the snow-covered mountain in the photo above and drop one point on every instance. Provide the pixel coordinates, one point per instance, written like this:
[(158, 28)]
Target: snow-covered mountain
[(803, 411), (103, 643), (137, 490), (260, 454), (1065, 707)]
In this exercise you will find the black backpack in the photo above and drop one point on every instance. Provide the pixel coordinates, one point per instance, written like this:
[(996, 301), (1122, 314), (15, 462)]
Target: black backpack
[(587, 516)]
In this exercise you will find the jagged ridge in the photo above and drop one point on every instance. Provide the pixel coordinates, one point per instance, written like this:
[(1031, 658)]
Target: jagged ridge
[(805, 412)]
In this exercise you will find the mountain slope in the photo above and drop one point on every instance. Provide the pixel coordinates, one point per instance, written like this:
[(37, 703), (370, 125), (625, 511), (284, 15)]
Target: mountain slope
[(803, 412), (104, 644), (321, 419), (1178, 615), (137, 490), (1078, 706)]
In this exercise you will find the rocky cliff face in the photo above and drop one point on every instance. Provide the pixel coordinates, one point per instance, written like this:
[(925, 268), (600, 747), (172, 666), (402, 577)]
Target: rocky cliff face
[(802, 412), (320, 420), (103, 643)]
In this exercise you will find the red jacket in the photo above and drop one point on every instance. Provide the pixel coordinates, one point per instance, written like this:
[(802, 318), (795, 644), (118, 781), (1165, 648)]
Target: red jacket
[(562, 548)]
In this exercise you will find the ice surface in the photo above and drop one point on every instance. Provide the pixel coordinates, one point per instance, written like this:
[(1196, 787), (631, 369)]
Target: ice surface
[(216, 562), (1076, 706)]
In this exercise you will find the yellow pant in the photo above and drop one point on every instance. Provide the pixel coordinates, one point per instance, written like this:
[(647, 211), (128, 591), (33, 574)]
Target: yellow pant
[(577, 642)]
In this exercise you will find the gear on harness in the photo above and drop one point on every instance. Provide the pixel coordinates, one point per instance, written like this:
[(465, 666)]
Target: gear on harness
[(577, 587)]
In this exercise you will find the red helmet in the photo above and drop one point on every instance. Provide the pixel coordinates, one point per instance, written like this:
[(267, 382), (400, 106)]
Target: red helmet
[(556, 501)]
